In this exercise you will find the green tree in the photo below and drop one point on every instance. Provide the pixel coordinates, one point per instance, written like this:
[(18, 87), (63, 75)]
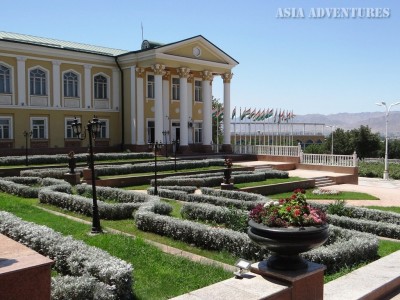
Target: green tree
[(217, 106), (316, 148), (393, 149), (341, 142), (366, 143)]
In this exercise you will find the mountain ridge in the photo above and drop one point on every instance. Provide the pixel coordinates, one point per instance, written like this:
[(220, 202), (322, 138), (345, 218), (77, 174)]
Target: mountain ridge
[(347, 121)]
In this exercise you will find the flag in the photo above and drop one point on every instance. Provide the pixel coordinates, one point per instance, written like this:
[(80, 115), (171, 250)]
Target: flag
[(251, 114), (234, 112), (261, 116), (257, 115), (276, 112), (245, 113)]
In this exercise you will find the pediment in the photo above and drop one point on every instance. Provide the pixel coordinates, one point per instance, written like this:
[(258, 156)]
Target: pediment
[(198, 48)]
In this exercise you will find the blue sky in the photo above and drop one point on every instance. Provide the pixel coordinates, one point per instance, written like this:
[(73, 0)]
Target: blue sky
[(308, 65)]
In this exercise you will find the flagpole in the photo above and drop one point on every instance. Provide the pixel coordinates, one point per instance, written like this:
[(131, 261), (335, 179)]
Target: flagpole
[(217, 130), (240, 130)]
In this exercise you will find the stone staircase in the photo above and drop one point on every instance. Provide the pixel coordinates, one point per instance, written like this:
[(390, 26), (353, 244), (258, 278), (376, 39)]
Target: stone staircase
[(323, 181), (263, 167)]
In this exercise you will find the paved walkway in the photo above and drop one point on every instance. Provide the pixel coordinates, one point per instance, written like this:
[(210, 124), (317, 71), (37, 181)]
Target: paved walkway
[(388, 191)]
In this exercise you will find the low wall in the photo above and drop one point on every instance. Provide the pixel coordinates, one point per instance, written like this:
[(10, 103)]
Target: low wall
[(275, 158), (351, 178), (280, 187), (24, 273)]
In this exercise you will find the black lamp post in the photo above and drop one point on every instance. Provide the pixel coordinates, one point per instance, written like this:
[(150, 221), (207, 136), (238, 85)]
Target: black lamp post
[(26, 135), (155, 146), (165, 133), (93, 128), (175, 146)]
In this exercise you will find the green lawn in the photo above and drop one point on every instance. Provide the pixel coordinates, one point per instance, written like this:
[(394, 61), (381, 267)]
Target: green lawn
[(157, 275), (267, 182), (395, 209)]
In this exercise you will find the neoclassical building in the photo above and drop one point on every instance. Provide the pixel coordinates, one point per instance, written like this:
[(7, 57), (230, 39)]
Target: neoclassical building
[(162, 92)]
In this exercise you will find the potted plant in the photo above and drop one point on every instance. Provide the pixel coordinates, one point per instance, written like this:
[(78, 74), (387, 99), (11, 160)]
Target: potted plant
[(287, 228)]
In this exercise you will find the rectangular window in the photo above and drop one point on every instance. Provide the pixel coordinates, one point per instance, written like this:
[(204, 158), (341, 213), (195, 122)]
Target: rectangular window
[(175, 89), (198, 132), (198, 93), (104, 130), (39, 128), (5, 128), (69, 133), (150, 86)]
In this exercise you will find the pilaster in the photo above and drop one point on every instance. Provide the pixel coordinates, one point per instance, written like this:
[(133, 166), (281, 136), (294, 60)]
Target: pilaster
[(88, 86), (56, 83), (21, 74), (159, 71), (184, 74), (227, 108)]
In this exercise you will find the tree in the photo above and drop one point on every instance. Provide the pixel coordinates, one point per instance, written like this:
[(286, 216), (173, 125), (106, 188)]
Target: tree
[(341, 142), (315, 148), (217, 108), (393, 149), (366, 143)]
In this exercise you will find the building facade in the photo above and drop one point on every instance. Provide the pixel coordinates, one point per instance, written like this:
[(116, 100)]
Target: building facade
[(160, 93)]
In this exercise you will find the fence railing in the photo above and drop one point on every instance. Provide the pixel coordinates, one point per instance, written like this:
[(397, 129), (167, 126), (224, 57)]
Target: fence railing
[(329, 160), (267, 150), (295, 151)]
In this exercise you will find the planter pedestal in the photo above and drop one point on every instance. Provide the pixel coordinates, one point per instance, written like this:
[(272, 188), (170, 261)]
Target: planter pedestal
[(227, 186), (304, 284), (72, 178)]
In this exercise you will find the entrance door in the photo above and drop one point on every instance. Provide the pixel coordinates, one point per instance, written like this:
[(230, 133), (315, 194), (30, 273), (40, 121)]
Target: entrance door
[(175, 131)]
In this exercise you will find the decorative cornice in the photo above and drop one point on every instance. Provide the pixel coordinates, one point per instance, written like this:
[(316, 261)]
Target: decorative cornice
[(183, 72), (166, 75), (227, 77), (207, 75), (158, 69), (139, 72)]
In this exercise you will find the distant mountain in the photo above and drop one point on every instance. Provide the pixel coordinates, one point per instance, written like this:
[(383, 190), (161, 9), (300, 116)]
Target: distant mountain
[(347, 121)]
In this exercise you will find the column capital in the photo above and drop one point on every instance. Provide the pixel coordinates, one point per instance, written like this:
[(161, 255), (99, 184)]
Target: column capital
[(56, 62), (139, 72), (190, 78), (21, 58), (166, 75), (227, 77), (158, 69), (207, 75), (87, 66), (183, 72)]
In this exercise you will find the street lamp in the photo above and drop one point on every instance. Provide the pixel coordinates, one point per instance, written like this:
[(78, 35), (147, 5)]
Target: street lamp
[(93, 128), (155, 146), (175, 146), (332, 129), (386, 171), (26, 135), (165, 133)]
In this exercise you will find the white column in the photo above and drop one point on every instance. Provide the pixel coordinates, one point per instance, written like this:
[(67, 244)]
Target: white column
[(21, 75), (159, 71), (132, 116), (165, 99), (207, 107), (190, 107), (227, 107), (115, 104), (183, 105), (56, 84), (140, 106), (88, 86)]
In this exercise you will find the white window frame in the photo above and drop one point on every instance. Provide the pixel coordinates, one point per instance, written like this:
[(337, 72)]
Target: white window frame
[(104, 134), (47, 82), (198, 91), (78, 88), (68, 128), (198, 132), (10, 79), (45, 124), (10, 128), (148, 84), (108, 86), (175, 89)]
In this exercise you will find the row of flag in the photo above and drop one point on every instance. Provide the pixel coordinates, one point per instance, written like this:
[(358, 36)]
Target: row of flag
[(254, 115)]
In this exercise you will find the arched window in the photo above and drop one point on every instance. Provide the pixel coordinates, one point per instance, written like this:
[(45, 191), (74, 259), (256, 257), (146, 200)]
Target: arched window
[(100, 87), (37, 82), (71, 85), (5, 80)]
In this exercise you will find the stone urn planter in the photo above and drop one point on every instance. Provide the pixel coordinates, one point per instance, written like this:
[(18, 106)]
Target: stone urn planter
[(287, 243)]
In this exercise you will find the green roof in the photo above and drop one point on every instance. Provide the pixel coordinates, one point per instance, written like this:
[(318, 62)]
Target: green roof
[(54, 43)]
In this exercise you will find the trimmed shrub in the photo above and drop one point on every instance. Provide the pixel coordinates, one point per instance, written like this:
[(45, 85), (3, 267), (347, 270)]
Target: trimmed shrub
[(238, 195), (72, 257)]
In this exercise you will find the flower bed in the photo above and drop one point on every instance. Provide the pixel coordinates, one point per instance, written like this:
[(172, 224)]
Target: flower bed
[(91, 271)]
